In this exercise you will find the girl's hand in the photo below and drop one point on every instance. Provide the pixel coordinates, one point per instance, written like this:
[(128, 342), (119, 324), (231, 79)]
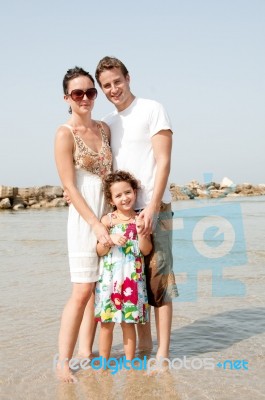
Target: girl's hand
[(118, 239)]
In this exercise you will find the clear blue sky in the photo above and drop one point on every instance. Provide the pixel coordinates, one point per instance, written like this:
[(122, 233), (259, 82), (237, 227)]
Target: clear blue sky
[(203, 59)]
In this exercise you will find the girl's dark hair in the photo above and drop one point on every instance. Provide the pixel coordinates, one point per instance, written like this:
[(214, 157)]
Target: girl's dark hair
[(75, 73), (118, 176)]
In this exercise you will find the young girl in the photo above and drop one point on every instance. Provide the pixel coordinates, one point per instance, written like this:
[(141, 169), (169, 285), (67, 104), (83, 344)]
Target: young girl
[(120, 294)]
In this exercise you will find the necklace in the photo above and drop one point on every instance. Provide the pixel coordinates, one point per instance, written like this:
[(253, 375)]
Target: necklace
[(124, 219)]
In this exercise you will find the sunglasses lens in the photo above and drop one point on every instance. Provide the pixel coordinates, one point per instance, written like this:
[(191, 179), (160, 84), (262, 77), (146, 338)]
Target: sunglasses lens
[(91, 94), (77, 94)]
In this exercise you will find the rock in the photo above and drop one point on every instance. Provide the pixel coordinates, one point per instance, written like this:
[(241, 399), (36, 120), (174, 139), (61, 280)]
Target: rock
[(188, 192), (208, 185), (247, 185), (217, 194), (261, 187), (246, 189), (57, 203), (31, 202), (37, 205), (26, 193), (212, 187), (178, 194), (202, 193), (6, 191), (52, 196), (51, 191), (5, 204), (193, 185), (18, 203), (18, 206), (233, 195), (226, 182)]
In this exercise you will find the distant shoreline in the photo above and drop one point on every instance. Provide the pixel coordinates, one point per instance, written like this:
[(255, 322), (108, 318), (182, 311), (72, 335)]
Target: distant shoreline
[(37, 197)]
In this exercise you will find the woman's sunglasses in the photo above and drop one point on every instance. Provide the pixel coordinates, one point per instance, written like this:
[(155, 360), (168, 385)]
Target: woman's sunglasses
[(78, 94)]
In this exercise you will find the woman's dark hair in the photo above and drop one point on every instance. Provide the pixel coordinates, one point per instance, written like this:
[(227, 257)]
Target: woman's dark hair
[(118, 176), (75, 73), (72, 74)]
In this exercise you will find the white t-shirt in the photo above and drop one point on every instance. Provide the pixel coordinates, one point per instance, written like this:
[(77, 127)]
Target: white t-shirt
[(131, 133)]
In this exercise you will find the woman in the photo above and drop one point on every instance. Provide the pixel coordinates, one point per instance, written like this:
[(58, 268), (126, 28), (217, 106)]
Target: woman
[(83, 158)]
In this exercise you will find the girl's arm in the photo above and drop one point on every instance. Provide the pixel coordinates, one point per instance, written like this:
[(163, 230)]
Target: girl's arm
[(145, 244), (64, 146)]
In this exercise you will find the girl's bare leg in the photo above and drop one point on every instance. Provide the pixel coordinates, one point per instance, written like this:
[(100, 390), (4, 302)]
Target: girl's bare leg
[(129, 340), (70, 324), (105, 339), (87, 330), (144, 336)]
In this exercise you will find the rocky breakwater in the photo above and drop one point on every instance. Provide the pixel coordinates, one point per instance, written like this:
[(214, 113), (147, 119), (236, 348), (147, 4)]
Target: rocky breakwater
[(213, 190), (31, 197)]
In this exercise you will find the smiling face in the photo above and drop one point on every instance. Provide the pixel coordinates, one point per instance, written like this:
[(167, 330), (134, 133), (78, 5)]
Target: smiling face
[(81, 106), (116, 88), (123, 196)]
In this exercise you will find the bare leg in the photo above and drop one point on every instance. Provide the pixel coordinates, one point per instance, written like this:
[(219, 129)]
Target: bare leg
[(105, 339), (87, 330), (70, 324), (163, 316), (129, 340), (144, 335)]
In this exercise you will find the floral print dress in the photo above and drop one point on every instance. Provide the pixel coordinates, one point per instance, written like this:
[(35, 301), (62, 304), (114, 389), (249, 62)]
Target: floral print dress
[(120, 294)]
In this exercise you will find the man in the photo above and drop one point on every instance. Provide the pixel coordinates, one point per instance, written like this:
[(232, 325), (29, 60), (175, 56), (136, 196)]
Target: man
[(141, 142)]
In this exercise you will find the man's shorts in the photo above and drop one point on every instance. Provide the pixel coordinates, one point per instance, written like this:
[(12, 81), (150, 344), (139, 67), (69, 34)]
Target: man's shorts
[(160, 278)]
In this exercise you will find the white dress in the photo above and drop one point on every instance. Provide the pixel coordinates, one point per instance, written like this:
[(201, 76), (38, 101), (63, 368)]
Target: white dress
[(90, 168)]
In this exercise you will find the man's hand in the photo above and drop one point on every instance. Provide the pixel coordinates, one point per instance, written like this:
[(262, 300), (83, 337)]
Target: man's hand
[(139, 224), (149, 215)]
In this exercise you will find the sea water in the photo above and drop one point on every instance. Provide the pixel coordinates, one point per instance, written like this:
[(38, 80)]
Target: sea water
[(209, 322)]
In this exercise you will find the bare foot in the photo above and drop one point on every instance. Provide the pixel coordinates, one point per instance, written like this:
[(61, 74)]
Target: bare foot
[(158, 370), (81, 356), (64, 374), (157, 366)]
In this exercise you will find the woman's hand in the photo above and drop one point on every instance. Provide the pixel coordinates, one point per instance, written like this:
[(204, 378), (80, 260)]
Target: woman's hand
[(102, 234), (118, 239), (66, 197)]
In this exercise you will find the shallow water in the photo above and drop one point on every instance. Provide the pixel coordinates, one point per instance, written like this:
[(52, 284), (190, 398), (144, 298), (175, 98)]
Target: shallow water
[(35, 285)]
